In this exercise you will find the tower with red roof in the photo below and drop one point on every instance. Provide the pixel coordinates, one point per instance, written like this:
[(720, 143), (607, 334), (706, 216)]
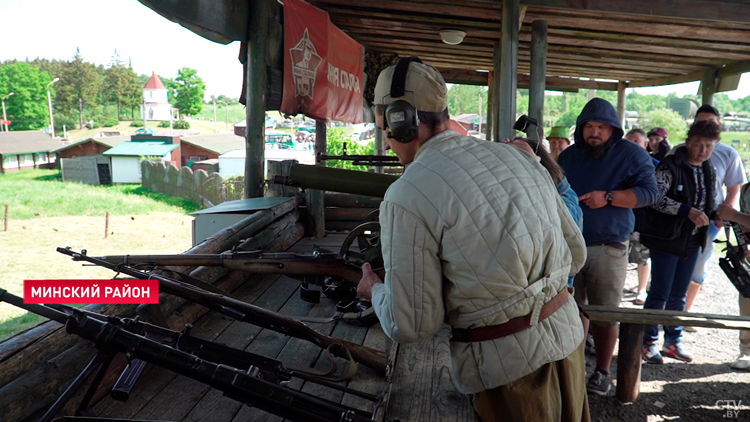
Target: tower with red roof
[(155, 101)]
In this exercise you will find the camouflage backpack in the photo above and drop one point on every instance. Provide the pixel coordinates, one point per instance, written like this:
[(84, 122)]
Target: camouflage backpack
[(735, 264)]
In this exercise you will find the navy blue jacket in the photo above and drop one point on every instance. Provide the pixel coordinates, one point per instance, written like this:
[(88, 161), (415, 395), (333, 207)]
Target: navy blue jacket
[(625, 166)]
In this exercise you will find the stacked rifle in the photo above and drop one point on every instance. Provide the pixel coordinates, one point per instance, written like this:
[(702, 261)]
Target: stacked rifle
[(251, 379)]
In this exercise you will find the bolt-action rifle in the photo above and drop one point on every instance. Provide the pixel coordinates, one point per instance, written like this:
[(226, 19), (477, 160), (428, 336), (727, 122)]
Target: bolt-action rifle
[(250, 379), (246, 312), (324, 264)]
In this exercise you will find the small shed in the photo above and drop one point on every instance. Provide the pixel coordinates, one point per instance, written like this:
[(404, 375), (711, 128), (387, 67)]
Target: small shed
[(89, 146), (28, 149), (126, 157), (204, 147), (233, 162)]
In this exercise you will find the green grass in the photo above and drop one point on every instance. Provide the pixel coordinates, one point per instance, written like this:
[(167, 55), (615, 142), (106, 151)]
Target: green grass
[(41, 193), (743, 137)]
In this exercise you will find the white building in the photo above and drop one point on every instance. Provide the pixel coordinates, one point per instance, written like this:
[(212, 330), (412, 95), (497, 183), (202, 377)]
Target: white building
[(155, 102)]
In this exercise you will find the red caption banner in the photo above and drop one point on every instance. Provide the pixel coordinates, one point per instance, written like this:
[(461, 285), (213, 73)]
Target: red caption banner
[(91, 291)]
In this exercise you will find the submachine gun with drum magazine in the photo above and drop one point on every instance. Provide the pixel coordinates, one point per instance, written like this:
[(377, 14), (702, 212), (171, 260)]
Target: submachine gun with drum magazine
[(251, 379)]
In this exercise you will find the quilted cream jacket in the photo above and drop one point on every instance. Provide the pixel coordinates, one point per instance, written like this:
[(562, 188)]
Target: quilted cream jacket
[(473, 234)]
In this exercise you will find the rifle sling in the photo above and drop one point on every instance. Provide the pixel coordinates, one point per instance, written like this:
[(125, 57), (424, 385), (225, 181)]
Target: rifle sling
[(329, 374)]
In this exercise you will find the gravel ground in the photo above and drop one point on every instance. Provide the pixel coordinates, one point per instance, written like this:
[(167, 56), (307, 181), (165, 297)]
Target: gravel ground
[(696, 391)]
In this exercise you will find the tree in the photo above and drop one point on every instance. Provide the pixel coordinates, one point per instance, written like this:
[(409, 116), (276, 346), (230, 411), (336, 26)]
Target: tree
[(668, 119), (190, 91), (27, 107), (78, 87), (464, 99), (121, 85)]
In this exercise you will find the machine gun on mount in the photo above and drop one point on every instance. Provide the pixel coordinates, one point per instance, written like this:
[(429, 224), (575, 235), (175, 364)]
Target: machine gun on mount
[(362, 160), (246, 312), (248, 378)]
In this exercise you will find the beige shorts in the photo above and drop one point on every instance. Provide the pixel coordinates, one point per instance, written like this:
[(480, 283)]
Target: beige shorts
[(602, 278)]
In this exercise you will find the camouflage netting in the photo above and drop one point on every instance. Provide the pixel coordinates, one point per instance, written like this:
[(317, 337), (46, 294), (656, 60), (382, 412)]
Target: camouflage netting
[(374, 64)]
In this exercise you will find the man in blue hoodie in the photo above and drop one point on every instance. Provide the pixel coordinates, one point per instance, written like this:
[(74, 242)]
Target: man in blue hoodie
[(612, 175)]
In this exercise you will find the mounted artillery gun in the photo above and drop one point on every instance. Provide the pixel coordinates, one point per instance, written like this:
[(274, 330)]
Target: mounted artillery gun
[(248, 378)]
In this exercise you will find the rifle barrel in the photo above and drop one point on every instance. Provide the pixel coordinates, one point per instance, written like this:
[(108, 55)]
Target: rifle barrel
[(247, 312), (271, 263)]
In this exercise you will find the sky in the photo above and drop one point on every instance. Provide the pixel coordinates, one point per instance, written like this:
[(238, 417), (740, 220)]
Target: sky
[(52, 29)]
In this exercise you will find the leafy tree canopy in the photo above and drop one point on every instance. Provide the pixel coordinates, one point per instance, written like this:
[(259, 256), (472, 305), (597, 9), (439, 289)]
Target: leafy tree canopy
[(190, 91), (27, 107)]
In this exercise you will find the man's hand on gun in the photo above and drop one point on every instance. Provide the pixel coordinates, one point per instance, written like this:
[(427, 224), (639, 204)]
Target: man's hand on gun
[(368, 281)]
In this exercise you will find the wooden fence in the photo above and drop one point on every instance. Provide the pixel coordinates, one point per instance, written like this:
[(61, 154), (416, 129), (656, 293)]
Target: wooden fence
[(198, 187)]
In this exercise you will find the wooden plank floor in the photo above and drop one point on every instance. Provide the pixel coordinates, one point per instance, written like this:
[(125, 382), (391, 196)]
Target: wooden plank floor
[(165, 396)]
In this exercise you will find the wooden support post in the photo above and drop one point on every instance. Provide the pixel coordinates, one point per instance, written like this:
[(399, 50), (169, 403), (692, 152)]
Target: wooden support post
[(508, 70), (496, 94), (255, 113), (708, 86), (490, 105), (106, 225), (315, 205), (629, 362), (538, 75), (5, 221), (621, 102), (379, 148)]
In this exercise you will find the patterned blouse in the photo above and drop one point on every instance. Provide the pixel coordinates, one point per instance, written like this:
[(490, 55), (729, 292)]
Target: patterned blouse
[(664, 179)]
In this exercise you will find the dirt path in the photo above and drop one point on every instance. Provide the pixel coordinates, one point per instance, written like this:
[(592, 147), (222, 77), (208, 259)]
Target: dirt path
[(696, 391), (28, 248)]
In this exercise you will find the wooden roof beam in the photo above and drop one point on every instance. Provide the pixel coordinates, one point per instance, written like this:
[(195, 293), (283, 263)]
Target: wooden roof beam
[(457, 9), (728, 70), (705, 10), (553, 83)]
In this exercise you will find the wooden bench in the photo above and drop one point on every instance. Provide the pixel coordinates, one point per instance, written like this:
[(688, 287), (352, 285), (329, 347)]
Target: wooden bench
[(634, 321)]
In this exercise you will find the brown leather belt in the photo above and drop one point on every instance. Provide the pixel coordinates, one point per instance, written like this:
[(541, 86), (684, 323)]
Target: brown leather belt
[(515, 325)]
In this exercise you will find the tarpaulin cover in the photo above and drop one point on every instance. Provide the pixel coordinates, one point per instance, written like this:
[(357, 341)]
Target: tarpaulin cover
[(322, 66)]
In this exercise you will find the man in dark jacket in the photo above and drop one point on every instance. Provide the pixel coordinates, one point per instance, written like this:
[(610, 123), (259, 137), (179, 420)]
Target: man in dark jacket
[(613, 175)]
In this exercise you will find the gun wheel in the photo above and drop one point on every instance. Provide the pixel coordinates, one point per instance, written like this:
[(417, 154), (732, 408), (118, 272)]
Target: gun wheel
[(362, 244)]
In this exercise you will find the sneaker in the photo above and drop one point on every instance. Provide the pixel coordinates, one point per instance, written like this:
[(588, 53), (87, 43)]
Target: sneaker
[(589, 348), (742, 363), (599, 383), (640, 298), (677, 351), (651, 354)]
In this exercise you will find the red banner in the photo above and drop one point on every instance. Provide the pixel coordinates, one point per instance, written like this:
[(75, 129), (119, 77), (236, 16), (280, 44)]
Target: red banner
[(91, 291), (322, 66)]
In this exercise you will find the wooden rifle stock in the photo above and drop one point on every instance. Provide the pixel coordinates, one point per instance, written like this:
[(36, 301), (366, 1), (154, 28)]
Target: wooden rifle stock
[(247, 312), (321, 264)]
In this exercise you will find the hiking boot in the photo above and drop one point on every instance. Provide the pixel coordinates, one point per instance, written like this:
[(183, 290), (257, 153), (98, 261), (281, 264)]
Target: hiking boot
[(742, 363), (651, 354), (640, 298), (599, 383), (589, 348), (677, 351)]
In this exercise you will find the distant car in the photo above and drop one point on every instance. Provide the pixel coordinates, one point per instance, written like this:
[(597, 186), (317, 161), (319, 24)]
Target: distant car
[(310, 129), (145, 131)]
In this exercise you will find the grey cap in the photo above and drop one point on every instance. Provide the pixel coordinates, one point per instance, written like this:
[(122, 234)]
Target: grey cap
[(424, 84)]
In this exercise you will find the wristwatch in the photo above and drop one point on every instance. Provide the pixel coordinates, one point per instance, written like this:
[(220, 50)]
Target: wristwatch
[(609, 196)]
